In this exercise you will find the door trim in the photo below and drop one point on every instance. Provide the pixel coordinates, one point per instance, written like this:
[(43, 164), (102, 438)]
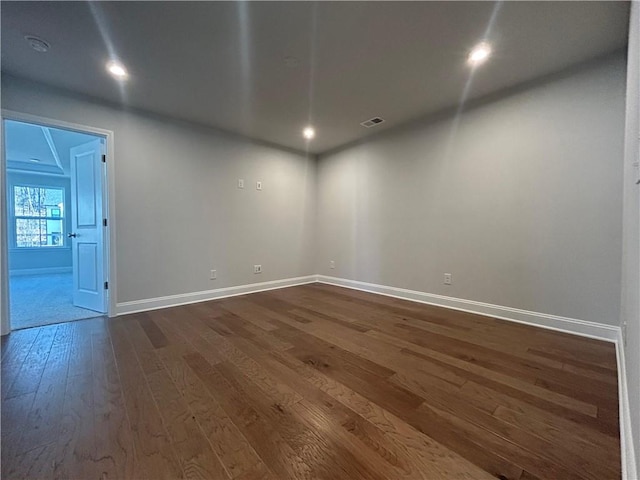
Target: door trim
[(108, 196)]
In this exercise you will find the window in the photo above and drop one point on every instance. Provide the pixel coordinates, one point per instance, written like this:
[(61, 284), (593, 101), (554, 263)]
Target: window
[(38, 213)]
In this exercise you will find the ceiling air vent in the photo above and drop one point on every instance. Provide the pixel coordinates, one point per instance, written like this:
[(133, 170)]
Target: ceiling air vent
[(372, 122)]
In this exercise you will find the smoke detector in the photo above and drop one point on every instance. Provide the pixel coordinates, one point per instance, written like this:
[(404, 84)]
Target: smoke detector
[(38, 44), (372, 122)]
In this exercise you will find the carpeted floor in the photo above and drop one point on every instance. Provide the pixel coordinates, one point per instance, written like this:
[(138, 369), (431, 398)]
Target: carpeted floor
[(43, 299)]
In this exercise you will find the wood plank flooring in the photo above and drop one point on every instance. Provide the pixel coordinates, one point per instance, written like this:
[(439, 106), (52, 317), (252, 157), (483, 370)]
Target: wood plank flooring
[(309, 382)]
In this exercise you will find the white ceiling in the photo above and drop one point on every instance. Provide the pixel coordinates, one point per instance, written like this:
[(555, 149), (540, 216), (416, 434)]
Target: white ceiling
[(25, 143), (223, 63)]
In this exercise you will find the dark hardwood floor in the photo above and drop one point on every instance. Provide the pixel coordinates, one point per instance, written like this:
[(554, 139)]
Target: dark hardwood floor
[(309, 382)]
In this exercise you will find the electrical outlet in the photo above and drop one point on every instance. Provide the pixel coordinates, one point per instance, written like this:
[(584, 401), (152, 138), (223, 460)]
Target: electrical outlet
[(447, 279), (332, 264), (258, 185), (213, 275), (240, 183), (257, 269)]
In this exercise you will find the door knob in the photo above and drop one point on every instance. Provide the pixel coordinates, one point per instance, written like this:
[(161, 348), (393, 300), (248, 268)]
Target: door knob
[(72, 235)]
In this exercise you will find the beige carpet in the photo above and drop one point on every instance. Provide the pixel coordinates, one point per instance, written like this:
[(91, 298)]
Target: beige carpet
[(42, 300)]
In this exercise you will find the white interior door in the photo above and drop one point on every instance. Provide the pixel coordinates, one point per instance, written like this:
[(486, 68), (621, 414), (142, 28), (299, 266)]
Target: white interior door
[(87, 230)]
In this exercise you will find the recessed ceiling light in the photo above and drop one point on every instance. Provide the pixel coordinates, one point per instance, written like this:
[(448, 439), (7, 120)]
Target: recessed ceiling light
[(35, 160), (38, 44), (309, 133), (479, 53), (117, 70)]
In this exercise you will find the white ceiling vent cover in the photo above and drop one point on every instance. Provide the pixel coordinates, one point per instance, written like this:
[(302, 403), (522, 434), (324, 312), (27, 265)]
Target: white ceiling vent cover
[(372, 122)]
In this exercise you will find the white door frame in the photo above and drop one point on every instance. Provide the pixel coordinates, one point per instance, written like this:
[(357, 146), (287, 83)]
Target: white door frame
[(108, 196)]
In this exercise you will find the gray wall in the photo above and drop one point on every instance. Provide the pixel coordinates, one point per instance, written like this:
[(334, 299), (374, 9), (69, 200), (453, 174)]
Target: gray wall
[(40, 258), (522, 203), (631, 251), (179, 212)]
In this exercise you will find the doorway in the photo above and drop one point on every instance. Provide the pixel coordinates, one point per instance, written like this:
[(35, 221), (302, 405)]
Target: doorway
[(56, 223)]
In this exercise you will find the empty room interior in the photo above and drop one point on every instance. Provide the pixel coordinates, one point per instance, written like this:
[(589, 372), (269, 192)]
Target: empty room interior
[(320, 240)]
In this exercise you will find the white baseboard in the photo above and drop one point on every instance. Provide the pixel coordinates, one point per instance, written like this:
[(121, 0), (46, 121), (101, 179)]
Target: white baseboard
[(40, 271), (573, 326), (135, 306), (629, 465), (599, 331)]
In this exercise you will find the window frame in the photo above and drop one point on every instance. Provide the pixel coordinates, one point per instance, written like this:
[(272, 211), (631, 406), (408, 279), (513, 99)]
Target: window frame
[(13, 218)]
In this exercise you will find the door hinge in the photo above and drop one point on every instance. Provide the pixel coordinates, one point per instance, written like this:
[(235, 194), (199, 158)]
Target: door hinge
[(104, 222), (104, 159), (106, 285)]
